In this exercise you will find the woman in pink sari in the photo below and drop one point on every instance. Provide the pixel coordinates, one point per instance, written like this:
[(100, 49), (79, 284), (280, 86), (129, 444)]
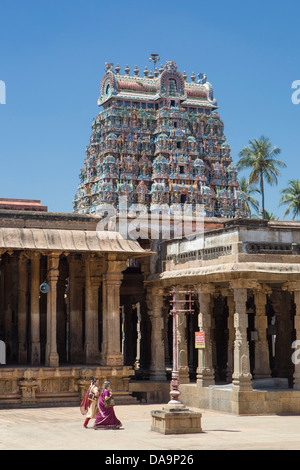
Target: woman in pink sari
[(106, 418)]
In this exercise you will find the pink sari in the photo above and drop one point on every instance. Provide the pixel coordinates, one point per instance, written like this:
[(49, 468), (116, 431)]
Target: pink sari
[(106, 418)]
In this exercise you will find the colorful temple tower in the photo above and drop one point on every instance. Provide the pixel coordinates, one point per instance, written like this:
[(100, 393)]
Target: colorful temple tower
[(158, 142)]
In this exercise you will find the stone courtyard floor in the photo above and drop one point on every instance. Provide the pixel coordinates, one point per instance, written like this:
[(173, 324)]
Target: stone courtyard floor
[(62, 429)]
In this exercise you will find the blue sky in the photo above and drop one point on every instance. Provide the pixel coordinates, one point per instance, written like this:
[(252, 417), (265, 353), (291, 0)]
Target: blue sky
[(52, 56)]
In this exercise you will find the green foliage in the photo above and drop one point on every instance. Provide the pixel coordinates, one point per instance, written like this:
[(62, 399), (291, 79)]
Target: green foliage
[(260, 157), (249, 190), (291, 196)]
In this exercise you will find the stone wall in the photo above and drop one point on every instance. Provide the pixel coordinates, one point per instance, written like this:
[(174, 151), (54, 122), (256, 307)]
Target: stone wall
[(252, 402), (61, 386)]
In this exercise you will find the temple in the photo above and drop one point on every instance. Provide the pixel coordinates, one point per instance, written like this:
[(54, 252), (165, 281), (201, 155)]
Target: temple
[(158, 142)]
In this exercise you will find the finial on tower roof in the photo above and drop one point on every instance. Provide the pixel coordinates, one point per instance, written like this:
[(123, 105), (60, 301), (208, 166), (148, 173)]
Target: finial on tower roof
[(154, 58)]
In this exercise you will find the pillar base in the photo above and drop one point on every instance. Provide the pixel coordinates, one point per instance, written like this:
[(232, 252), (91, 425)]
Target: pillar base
[(114, 360), (53, 360), (158, 375), (35, 359), (242, 384), (205, 379), (176, 420), (184, 375)]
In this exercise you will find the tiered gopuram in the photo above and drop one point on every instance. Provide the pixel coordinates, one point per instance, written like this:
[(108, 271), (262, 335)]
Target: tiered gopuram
[(159, 142)]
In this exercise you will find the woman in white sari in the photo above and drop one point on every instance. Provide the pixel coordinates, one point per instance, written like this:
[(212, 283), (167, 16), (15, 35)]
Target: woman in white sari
[(89, 406)]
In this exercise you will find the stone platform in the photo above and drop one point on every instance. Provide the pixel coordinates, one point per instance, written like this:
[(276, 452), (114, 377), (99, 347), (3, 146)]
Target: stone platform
[(176, 420), (264, 399)]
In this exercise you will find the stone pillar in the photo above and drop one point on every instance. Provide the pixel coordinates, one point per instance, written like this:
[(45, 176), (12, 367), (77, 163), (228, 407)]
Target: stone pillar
[(22, 310), (183, 367), (262, 360), (76, 283), (241, 374), (281, 301), (205, 370), (295, 288), (92, 284), (231, 333), (35, 358), (51, 356), (111, 343), (8, 326), (137, 363), (296, 376), (155, 299)]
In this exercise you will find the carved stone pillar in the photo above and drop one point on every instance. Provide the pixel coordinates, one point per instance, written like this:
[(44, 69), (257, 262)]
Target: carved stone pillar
[(155, 299), (241, 374), (35, 358), (137, 363), (8, 327), (111, 343), (22, 310), (51, 356), (295, 287), (183, 366), (76, 283), (231, 333), (296, 376), (205, 370), (281, 301), (92, 283), (262, 360)]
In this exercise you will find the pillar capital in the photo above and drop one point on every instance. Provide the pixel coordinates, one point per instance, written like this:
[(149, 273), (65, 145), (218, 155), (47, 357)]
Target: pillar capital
[(32, 254), (52, 266), (113, 277), (265, 289), (208, 288), (116, 266), (260, 299), (291, 286), (250, 284)]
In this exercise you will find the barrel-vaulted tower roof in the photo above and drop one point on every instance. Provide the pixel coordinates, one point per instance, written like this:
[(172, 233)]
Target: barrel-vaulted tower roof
[(152, 88)]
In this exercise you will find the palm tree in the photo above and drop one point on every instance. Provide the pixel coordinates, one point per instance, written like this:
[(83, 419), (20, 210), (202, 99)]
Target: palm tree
[(270, 216), (291, 196), (248, 190), (260, 155)]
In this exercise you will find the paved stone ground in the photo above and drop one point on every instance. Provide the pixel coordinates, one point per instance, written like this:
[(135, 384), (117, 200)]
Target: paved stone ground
[(62, 429)]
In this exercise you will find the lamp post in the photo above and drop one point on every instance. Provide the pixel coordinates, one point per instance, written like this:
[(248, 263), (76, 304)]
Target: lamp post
[(175, 417), (174, 393)]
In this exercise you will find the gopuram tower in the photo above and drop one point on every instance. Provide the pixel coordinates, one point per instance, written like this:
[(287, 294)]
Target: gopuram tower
[(159, 142)]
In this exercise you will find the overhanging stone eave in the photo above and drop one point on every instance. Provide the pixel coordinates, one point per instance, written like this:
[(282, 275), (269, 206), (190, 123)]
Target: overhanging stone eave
[(231, 271), (57, 240)]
